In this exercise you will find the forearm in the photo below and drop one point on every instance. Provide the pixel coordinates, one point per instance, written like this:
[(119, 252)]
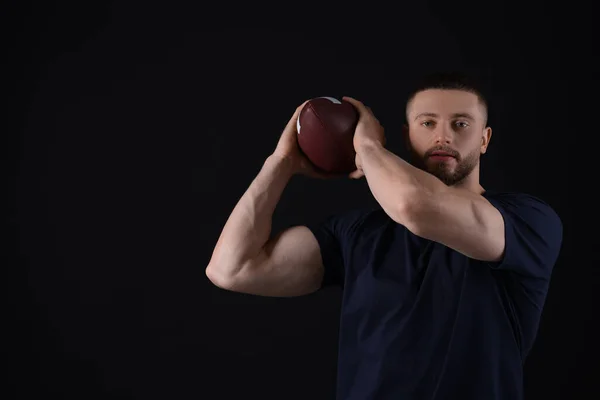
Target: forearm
[(398, 187), (248, 228)]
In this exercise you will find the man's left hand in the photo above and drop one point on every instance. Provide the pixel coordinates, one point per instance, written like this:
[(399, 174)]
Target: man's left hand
[(369, 132)]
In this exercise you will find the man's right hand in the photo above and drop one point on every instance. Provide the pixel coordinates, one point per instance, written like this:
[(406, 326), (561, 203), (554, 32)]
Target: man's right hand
[(289, 150)]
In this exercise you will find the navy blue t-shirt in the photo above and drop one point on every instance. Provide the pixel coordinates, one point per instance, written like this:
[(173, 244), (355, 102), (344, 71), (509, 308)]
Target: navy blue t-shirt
[(422, 321)]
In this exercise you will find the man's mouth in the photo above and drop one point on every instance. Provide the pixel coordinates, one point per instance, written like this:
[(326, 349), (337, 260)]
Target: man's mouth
[(441, 155)]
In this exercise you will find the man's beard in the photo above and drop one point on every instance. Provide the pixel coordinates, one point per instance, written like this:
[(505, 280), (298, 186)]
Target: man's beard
[(442, 170)]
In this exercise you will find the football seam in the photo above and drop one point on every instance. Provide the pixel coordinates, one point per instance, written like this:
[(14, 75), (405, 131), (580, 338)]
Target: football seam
[(318, 117)]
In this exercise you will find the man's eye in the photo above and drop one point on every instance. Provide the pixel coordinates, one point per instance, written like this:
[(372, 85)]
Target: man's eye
[(462, 124), (427, 123)]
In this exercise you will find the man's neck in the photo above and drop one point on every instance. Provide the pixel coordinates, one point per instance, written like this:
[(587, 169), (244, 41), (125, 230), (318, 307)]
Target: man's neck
[(471, 183)]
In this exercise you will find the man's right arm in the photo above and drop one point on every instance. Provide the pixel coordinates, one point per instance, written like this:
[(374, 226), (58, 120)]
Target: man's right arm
[(246, 260)]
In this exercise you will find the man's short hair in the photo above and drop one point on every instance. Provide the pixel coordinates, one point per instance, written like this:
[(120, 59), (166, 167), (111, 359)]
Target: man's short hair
[(450, 81)]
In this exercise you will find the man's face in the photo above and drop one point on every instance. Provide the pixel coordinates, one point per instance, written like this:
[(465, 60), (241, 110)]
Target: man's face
[(447, 133)]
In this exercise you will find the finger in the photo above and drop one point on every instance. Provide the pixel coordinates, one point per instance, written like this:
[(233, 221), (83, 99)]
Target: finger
[(352, 100), (360, 107), (301, 106), (356, 103), (291, 125), (294, 118), (364, 111)]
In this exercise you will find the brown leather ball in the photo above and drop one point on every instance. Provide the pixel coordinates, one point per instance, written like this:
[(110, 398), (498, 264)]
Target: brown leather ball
[(325, 132)]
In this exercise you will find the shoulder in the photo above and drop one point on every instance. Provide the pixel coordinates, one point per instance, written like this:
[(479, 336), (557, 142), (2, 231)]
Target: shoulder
[(533, 232), (525, 206)]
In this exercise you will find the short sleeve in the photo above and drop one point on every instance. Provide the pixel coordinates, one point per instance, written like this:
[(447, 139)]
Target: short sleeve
[(533, 235), (335, 235)]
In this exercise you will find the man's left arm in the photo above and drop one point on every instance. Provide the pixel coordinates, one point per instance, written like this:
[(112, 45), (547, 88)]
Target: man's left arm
[(518, 233), (464, 221)]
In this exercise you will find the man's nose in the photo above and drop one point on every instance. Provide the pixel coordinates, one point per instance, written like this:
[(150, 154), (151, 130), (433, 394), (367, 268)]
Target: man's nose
[(443, 135)]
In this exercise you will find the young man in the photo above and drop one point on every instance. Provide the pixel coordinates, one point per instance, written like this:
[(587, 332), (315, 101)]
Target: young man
[(443, 285)]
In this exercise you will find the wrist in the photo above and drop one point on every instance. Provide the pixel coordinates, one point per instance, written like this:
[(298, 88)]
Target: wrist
[(368, 145), (283, 164)]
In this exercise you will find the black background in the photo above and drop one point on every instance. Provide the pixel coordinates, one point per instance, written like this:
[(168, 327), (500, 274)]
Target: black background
[(137, 127)]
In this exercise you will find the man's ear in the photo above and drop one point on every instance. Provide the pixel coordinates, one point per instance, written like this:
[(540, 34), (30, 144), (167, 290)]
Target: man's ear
[(485, 139)]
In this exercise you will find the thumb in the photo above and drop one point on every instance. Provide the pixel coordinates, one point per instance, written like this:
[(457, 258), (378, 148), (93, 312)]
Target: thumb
[(357, 174)]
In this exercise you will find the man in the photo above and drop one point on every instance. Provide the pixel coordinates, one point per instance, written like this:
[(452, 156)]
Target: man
[(443, 284)]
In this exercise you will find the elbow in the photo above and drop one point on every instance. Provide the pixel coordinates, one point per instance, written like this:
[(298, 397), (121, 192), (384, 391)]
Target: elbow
[(418, 214), (219, 277), (221, 270), (213, 275), (408, 210)]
